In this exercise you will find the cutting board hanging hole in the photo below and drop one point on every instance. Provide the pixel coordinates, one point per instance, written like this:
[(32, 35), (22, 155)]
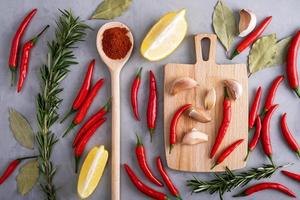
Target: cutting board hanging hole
[(205, 45)]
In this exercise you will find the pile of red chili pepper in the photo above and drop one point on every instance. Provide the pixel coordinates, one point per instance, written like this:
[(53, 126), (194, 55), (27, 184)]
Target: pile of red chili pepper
[(80, 106), (25, 52), (141, 157), (152, 100)]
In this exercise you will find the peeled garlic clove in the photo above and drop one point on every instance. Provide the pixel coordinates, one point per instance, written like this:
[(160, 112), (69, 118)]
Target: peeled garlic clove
[(183, 83), (198, 114), (234, 88), (247, 22), (194, 137), (210, 99)]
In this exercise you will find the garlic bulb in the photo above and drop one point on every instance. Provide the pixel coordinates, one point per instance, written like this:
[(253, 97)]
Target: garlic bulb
[(194, 137), (234, 88), (199, 114), (183, 83), (210, 99), (247, 22)]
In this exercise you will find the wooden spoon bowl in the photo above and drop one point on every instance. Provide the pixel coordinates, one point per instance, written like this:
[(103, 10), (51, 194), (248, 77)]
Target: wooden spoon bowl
[(114, 67)]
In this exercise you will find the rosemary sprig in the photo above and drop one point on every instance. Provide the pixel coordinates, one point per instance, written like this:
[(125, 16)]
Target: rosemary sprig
[(228, 181), (69, 31)]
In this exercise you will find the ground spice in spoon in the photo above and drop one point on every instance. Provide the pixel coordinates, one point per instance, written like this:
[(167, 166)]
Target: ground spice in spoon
[(116, 43)]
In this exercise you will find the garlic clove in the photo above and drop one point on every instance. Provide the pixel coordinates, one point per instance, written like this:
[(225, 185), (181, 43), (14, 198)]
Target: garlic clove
[(199, 114), (234, 88), (181, 84), (210, 99), (247, 22), (194, 137)]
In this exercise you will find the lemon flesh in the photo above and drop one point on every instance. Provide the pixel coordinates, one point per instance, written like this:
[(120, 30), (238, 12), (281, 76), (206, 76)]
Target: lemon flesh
[(91, 171), (165, 36)]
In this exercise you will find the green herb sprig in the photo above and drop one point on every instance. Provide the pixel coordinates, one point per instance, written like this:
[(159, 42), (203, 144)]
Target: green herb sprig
[(228, 180), (69, 31)]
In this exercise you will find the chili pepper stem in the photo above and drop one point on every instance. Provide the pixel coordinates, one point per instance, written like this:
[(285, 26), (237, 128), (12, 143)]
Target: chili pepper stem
[(298, 153), (271, 160), (69, 129), (77, 159), (13, 76), (27, 157), (234, 54), (178, 197), (247, 155), (242, 194), (171, 147), (151, 134), (107, 104), (214, 166), (138, 141), (67, 115), (39, 34), (297, 91)]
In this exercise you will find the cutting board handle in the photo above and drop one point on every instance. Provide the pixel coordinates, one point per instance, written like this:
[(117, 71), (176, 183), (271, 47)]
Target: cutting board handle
[(212, 48)]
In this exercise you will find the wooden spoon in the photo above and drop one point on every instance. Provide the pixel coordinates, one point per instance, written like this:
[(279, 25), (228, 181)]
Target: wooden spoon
[(114, 67)]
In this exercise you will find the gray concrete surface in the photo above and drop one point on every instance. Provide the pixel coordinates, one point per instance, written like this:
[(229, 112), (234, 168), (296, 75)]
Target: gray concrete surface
[(141, 15)]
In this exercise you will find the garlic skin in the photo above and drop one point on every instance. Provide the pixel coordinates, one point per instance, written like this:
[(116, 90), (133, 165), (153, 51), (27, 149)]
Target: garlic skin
[(199, 114), (180, 84), (247, 22), (210, 99), (234, 88), (194, 137)]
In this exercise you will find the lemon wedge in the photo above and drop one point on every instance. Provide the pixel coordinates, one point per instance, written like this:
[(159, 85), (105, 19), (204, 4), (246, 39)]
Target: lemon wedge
[(91, 171), (165, 36)]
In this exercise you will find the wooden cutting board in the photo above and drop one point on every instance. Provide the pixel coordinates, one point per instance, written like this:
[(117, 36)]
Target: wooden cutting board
[(195, 158)]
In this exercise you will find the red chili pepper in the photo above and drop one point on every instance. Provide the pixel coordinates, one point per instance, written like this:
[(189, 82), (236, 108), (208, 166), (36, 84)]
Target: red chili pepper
[(84, 140), (266, 140), (144, 188), (91, 121), (172, 188), (265, 186), (80, 115), (288, 136), (134, 94), (14, 49), (255, 107), (251, 37), (291, 175), (152, 105), (227, 152), (224, 125), (255, 138), (83, 92), (142, 160), (11, 168), (272, 92), (291, 64), (174, 123), (25, 58)]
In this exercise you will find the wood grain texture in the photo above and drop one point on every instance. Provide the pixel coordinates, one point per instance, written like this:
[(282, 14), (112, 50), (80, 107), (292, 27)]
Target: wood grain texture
[(208, 74)]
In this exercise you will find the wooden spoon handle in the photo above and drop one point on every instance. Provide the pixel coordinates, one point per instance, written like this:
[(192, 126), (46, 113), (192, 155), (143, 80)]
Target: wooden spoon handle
[(115, 170)]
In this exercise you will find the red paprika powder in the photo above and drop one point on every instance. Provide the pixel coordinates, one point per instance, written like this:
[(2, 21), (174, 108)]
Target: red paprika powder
[(116, 42)]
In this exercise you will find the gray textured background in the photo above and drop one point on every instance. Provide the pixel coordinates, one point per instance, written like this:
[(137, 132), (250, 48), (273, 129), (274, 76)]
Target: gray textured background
[(141, 15)]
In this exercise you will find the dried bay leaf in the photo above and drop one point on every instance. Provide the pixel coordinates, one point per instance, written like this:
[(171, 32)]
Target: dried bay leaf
[(262, 53), (28, 176), (281, 51), (21, 129), (109, 9), (224, 24)]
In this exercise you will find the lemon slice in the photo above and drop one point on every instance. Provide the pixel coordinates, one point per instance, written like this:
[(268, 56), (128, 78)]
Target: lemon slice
[(91, 171), (165, 36)]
